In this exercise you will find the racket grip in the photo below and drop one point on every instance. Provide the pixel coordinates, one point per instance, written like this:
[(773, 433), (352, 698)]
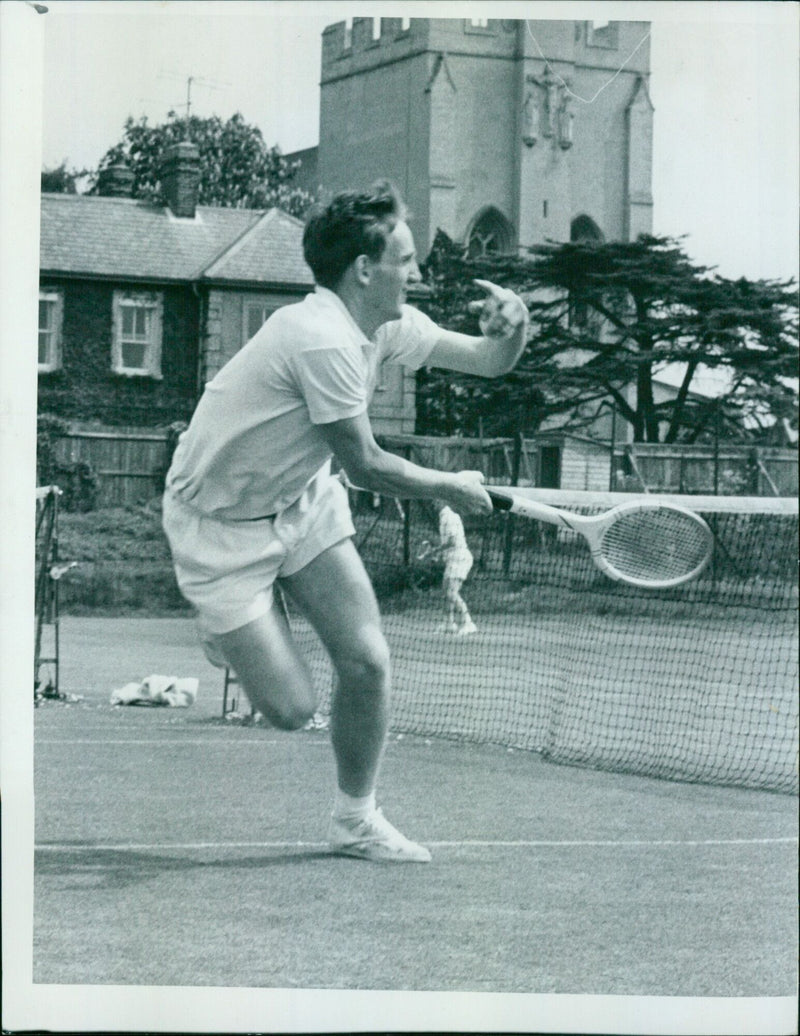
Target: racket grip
[(500, 501)]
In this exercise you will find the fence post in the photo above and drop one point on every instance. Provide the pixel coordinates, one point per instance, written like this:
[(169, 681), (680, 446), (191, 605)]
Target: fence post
[(612, 473), (516, 460)]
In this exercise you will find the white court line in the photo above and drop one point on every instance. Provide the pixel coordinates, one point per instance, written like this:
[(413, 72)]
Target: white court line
[(464, 844)]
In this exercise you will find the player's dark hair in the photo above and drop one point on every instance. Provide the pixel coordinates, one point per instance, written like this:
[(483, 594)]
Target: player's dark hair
[(353, 223)]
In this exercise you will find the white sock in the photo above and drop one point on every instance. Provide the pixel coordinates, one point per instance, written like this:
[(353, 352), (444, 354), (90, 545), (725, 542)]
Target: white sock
[(352, 807)]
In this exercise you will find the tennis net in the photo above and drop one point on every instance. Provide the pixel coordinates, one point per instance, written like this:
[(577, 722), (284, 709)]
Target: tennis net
[(695, 683)]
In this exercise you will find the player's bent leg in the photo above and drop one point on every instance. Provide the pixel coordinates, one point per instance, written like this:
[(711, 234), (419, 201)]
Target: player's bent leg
[(270, 669), (335, 594)]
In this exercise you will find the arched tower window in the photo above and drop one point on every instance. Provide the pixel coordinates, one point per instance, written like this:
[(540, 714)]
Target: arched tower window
[(490, 234), (583, 228)]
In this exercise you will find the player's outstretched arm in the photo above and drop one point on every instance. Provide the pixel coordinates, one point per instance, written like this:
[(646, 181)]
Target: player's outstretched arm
[(504, 325), (368, 466)]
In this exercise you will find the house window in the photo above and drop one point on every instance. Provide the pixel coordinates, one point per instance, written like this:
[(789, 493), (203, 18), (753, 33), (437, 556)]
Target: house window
[(51, 308), (136, 343), (477, 23), (255, 314)]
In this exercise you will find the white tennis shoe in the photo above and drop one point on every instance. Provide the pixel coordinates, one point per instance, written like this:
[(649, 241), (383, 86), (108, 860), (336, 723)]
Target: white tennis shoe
[(374, 838)]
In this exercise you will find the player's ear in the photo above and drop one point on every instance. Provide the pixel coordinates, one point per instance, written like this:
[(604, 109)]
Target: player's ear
[(362, 267)]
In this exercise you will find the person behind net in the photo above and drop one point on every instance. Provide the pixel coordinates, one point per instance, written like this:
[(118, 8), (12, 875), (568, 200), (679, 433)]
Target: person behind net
[(250, 500), (457, 557)]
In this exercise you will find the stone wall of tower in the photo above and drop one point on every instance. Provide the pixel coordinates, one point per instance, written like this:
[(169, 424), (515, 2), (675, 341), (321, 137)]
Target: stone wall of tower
[(537, 119), (372, 119), (578, 163)]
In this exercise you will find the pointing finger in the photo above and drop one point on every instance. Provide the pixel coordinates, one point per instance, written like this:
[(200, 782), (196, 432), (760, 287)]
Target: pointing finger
[(492, 289)]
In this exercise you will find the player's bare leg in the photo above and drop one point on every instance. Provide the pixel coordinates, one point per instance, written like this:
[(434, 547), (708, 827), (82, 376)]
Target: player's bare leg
[(270, 669), (458, 612), (335, 594)]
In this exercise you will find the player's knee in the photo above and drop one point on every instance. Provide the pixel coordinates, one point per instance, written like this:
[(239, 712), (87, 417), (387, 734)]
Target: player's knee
[(366, 664), (290, 715), (287, 707)]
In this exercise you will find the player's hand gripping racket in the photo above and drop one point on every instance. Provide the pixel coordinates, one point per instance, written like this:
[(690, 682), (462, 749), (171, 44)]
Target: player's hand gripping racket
[(642, 542)]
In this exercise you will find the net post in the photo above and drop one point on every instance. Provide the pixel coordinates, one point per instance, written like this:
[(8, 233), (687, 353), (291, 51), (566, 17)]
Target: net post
[(46, 588)]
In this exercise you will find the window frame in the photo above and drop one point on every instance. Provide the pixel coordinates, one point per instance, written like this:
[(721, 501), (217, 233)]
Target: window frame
[(267, 307), (54, 356), (153, 301), (584, 229), (489, 222)]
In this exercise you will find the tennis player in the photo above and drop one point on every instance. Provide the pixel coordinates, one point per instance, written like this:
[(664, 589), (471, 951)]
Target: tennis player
[(250, 499), (457, 557)]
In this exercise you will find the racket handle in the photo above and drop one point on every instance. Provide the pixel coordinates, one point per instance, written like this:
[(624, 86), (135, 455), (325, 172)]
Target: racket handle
[(500, 501)]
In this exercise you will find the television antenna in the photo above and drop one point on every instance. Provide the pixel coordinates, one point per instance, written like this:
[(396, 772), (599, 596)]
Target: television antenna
[(191, 81)]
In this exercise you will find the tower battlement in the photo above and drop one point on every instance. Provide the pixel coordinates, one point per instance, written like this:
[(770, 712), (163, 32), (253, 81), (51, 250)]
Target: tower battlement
[(371, 42), (374, 39)]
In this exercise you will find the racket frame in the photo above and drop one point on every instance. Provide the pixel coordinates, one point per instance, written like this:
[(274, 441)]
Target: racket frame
[(593, 527)]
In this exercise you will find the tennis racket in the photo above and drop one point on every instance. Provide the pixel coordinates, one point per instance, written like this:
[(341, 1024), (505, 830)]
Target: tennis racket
[(641, 542)]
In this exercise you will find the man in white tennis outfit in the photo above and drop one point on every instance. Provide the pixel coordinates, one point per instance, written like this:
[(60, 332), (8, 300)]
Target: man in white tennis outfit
[(458, 559), (250, 498)]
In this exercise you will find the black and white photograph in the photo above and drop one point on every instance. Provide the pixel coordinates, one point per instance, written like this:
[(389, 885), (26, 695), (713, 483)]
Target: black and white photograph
[(398, 624)]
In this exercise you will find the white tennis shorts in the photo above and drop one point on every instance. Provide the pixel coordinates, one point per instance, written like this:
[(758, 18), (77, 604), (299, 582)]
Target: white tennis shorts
[(458, 568), (227, 569)]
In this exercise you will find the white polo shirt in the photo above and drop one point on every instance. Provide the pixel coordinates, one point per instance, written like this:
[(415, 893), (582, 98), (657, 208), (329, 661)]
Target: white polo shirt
[(253, 444)]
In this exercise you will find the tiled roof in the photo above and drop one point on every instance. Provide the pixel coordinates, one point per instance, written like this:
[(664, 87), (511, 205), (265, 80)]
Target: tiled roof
[(121, 237), (271, 250)]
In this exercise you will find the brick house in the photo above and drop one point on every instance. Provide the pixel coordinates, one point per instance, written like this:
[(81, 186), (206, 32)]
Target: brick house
[(140, 304)]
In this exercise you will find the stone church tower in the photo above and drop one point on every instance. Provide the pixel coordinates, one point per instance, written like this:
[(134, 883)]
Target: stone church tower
[(504, 133)]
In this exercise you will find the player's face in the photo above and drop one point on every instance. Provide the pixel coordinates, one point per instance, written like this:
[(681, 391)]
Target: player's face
[(392, 275)]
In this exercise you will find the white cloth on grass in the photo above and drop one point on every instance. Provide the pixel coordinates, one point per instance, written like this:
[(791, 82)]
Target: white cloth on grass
[(173, 691)]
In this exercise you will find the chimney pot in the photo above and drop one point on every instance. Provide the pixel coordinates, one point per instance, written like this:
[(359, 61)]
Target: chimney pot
[(180, 178), (115, 181)]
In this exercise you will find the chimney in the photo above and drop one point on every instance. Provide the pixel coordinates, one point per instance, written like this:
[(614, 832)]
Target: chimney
[(180, 178), (115, 181)]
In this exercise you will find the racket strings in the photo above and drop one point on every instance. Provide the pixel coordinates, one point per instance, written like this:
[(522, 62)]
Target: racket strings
[(655, 545)]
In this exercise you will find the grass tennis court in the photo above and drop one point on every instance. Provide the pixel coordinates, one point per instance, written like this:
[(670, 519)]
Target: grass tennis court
[(174, 848)]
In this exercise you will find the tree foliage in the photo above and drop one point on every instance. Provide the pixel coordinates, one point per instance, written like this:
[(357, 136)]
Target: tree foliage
[(237, 169), (60, 179), (606, 319)]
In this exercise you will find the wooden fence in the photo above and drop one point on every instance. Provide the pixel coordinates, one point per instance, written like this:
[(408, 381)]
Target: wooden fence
[(129, 464), (727, 470), (730, 470)]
